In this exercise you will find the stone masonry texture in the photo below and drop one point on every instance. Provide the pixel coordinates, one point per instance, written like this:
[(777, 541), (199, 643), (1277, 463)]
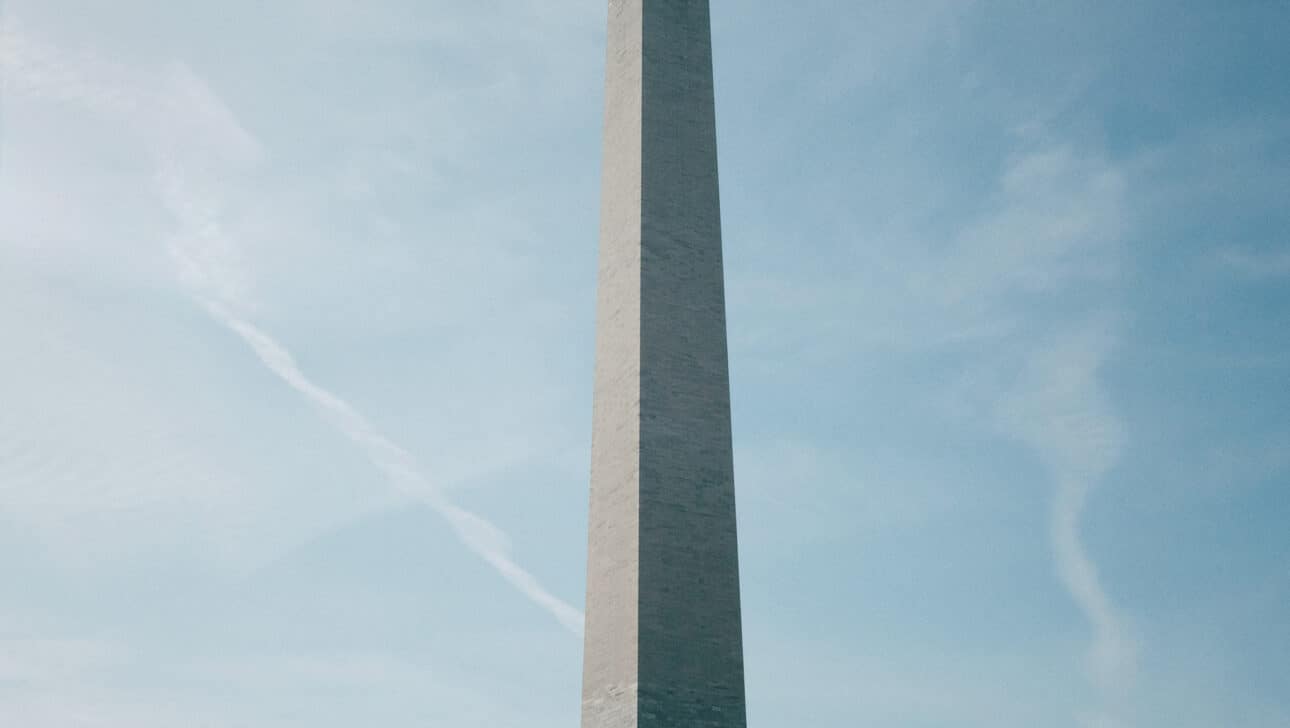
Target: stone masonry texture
[(663, 635)]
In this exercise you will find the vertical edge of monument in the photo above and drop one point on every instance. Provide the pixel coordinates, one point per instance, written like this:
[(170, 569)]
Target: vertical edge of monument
[(610, 647), (691, 652)]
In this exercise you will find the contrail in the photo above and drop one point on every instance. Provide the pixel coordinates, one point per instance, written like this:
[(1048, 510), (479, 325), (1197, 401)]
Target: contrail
[(483, 538), (206, 260)]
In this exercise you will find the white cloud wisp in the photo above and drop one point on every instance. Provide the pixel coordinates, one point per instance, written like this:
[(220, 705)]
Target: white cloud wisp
[(1058, 409)]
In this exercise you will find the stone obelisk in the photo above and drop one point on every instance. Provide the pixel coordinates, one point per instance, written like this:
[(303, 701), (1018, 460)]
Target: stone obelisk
[(663, 637)]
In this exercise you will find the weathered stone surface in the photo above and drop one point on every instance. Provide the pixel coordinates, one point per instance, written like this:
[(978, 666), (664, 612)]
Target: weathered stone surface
[(663, 638)]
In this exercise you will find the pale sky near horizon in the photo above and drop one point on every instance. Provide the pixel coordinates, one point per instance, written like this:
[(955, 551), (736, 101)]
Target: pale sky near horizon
[(296, 306)]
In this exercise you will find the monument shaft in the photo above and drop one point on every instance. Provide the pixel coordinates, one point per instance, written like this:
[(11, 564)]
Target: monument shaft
[(663, 636)]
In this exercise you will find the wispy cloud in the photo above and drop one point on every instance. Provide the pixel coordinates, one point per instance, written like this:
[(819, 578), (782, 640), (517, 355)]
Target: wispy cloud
[(29, 65), (1264, 265), (1059, 228), (1024, 296), (1059, 408), (43, 660), (197, 143)]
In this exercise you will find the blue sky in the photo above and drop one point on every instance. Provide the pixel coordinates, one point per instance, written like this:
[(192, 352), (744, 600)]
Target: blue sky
[(296, 340)]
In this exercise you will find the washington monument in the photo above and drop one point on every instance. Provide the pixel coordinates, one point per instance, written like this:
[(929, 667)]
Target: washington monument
[(664, 644)]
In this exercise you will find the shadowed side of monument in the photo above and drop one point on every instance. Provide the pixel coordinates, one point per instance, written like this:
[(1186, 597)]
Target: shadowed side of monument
[(663, 635)]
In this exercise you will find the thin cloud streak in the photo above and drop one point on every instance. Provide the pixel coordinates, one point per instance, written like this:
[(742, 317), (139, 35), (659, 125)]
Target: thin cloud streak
[(1059, 409), (206, 140), (479, 535), (1256, 265), (1061, 225), (1053, 233)]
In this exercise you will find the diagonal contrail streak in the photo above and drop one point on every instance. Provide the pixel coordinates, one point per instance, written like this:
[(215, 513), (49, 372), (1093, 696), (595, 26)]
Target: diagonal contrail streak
[(206, 260), (202, 255), (399, 467)]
